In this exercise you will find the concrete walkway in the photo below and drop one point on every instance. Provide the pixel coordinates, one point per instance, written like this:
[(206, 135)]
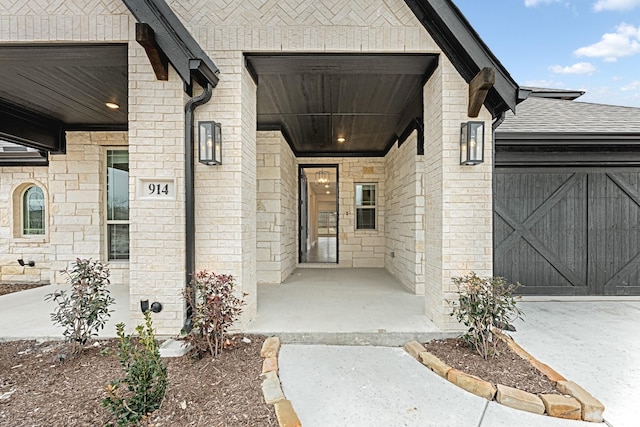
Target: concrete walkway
[(592, 343), (26, 315)]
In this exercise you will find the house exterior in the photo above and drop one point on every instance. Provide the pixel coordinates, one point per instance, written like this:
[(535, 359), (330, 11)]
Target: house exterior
[(374, 91)]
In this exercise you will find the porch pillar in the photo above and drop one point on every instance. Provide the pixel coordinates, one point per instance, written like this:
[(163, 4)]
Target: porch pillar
[(225, 195), (458, 220)]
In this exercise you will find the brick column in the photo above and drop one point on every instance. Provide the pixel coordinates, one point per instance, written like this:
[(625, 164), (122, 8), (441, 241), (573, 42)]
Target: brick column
[(226, 194), (157, 227), (458, 198)]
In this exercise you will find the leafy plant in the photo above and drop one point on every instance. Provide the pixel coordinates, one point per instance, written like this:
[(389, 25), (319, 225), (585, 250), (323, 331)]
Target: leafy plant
[(214, 308), (484, 304), (84, 309), (132, 399)]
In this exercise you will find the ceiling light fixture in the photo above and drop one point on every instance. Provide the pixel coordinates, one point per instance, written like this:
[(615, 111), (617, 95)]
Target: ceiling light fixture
[(322, 177), (112, 105), (341, 139)]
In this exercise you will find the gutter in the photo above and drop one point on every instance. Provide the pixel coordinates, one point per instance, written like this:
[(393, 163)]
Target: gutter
[(189, 179)]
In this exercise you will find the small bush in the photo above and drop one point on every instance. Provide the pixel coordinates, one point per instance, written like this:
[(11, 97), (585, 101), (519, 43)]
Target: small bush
[(484, 304), (214, 308), (84, 309), (132, 399)]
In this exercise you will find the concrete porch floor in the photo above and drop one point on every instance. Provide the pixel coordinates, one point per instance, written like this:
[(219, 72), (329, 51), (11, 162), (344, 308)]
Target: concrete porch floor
[(356, 306)]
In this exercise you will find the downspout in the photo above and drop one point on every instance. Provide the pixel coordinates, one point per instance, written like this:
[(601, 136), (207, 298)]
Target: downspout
[(189, 180)]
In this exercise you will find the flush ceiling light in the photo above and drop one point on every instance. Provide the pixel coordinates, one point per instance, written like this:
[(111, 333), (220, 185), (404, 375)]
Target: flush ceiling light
[(112, 105), (341, 139), (328, 192), (326, 186)]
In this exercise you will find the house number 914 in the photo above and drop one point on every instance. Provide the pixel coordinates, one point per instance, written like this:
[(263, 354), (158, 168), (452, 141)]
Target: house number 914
[(158, 189)]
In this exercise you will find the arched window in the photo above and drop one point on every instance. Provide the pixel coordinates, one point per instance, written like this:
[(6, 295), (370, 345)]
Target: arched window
[(33, 211)]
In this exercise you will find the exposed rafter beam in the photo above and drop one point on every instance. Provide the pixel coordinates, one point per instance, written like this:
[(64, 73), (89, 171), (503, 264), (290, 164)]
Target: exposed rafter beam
[(466, 51), (479, 88), (174, 40), (157, 58), (24, 127)]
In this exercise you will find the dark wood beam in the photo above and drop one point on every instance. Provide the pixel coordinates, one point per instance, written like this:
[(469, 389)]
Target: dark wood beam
[(157, 58), (479, 88)]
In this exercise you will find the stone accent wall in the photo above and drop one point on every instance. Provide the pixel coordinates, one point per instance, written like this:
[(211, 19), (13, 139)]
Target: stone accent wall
[(74, 185), (276, 208), (458, 198), (405, 210), (13, 245)]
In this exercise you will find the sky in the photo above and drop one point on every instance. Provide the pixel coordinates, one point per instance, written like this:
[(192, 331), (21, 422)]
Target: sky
[(589, 45)]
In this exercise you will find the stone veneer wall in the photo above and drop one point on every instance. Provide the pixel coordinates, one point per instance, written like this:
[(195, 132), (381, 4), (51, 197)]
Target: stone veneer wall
[(405, 211), (276, 208), (74, 188)]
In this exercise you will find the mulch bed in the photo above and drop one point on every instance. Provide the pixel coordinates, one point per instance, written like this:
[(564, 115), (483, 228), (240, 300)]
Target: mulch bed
[(507, 368), (39, 390), (9, 288)]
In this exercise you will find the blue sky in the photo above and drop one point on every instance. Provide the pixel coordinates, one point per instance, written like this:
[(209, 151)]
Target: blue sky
[(590, 45)]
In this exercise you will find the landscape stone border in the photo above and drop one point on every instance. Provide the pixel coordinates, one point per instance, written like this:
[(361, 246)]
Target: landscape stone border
[(575, 403), (271, 387)]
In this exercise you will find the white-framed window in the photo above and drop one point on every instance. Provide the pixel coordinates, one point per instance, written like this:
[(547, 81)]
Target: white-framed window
[(33, 211), (117, 205), (366, 206)]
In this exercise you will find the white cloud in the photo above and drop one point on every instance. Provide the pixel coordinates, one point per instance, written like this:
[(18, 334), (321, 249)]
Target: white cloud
[(633, 86), (624, 42), (532, 3), (578, 68), (601, 5)]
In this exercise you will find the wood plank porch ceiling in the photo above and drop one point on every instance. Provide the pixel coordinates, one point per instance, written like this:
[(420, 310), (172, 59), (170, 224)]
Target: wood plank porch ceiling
[(368, 99)]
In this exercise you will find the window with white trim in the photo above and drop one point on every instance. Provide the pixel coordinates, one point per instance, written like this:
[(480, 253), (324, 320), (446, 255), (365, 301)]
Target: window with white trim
[(117, 205), (366, 206), (33, 206)]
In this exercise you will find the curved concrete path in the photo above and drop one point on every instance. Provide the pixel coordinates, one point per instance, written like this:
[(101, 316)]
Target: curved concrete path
[(384, 386)]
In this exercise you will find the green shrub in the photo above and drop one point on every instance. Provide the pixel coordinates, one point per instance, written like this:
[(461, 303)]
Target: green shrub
[(484, 304), (84, 309), (133, 398), (214, 308)]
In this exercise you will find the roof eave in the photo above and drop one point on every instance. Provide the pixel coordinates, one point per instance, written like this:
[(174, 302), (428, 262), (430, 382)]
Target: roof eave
[(466, 51)]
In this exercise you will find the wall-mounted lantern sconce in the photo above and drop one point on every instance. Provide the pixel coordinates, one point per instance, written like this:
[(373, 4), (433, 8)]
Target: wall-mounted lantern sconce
[(471, 143), (209, 143)]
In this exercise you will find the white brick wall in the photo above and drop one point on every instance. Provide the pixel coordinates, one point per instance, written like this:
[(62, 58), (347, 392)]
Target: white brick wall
[(157, 227), (454, 245)]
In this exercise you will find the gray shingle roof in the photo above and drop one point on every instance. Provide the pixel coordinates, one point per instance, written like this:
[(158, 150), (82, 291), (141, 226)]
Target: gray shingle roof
[(545, 115)]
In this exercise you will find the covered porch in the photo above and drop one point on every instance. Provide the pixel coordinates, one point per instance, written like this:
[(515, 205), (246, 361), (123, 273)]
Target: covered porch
[(355, 306)]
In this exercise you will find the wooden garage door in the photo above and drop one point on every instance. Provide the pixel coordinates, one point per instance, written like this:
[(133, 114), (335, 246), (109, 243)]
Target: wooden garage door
[(568, 232)]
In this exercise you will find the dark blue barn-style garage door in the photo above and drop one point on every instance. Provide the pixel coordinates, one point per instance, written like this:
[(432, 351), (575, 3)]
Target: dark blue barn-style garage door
[(565, 231)]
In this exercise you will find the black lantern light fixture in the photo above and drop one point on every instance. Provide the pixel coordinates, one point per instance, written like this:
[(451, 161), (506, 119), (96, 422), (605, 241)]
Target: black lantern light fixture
[(471, 143), (209, 143)]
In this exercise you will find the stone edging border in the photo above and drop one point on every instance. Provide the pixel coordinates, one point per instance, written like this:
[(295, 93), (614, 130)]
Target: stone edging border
[(575, 404), (271, 387)]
